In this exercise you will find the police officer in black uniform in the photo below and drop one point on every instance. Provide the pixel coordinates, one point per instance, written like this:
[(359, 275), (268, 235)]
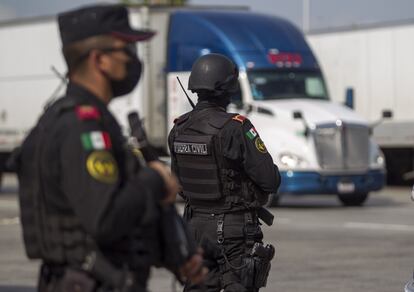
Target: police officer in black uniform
[(226, 174), (85, 199)]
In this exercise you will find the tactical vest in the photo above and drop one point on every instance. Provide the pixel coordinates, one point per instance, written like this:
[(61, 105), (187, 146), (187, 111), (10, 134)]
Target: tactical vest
[(47, 235), (208, 180)]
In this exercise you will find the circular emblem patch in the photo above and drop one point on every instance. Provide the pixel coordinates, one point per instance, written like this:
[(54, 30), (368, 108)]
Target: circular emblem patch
[(260, 145), (102, 166)]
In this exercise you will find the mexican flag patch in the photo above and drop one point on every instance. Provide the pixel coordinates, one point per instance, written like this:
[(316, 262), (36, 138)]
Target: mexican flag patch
[(251, 134), (96, 140)]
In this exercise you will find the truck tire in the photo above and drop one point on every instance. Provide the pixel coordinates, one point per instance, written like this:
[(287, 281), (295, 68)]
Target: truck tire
[(273, 200), (399, 162), (355, 199)]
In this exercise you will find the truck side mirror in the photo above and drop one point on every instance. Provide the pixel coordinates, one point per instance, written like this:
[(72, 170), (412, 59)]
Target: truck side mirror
[(248, 108), (237, 104), (349, 97), (387, 114), (297, 115)]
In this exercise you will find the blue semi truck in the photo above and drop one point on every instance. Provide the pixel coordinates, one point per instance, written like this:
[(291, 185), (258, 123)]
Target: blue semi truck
[(321, 147)]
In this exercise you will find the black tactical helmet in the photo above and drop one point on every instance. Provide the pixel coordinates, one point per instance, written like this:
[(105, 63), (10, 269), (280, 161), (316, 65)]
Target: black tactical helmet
[(214, 73)]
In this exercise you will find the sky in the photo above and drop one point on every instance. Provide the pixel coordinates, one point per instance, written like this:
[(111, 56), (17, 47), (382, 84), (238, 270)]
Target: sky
[(322, 13)]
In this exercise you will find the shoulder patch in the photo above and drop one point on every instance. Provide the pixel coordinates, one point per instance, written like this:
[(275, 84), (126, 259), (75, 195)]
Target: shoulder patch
[(260, 145), (87, 112), (102, 166), (239, 118)]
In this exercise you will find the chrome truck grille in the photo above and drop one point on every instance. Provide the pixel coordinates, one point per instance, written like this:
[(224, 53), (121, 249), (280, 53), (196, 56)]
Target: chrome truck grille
[(342, 146)]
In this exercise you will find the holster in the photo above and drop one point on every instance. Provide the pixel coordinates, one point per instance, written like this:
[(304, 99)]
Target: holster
[(248, 272), (262, 269), (257, 266)]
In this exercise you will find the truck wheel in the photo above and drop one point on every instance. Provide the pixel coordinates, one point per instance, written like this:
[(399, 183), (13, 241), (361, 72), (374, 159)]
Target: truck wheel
[(273, 200), (355, 199)]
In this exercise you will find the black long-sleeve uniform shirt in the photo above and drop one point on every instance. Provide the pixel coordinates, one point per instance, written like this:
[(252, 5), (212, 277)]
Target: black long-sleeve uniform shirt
[(242, 145), (90, 173)]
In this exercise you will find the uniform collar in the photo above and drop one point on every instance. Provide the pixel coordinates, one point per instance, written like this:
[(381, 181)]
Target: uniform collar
[(211, 105), (83, 95)]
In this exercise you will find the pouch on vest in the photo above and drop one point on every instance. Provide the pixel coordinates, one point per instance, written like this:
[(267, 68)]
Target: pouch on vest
[(197, 167), (36, 229), (29, 193)]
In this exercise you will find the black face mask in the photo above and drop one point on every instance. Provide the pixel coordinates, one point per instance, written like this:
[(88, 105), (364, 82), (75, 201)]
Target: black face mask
[(133, 72), (128, 83)]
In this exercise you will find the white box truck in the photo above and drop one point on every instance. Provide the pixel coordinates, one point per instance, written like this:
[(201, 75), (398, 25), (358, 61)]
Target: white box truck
[(321, 147), (378, 63)]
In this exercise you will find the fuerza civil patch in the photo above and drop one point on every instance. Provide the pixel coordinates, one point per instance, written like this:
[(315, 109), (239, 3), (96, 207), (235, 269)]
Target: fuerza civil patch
[(191, 148)]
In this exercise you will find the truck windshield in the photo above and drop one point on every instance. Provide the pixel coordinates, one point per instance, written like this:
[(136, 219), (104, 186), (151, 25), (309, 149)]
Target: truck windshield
[(272, 84)]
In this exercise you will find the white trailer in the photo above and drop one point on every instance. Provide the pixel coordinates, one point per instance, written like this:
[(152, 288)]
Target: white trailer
[(378, 63), (26, 80), (29, 50), (321, 147)]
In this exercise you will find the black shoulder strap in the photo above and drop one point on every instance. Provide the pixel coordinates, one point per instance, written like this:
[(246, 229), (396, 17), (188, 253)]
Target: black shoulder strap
[(66, 104), (182, 118)]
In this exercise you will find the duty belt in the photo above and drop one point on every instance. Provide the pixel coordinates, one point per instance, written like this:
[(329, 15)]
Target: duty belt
[(262, 213), (251, 227)]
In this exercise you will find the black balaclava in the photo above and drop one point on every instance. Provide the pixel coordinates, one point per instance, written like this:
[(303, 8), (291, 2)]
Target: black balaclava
[(222, 100)]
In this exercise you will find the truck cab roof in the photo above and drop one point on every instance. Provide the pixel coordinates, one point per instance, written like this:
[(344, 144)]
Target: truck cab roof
[(252, 40)]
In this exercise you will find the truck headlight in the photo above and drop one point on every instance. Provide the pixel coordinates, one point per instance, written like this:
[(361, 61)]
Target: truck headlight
[(378, 160), (291, 160)]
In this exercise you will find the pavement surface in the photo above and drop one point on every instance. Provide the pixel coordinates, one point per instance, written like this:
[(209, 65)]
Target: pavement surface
[(320, 245)]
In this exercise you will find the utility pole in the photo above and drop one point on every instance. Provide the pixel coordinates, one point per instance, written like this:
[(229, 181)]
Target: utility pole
[(305, 15)]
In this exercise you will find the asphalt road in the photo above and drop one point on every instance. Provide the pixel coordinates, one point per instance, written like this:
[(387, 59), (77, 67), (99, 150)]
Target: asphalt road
[(321, 246)]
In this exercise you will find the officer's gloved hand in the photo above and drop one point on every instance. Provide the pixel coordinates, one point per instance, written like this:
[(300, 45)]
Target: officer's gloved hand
[(193, 270), (171, 183)]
